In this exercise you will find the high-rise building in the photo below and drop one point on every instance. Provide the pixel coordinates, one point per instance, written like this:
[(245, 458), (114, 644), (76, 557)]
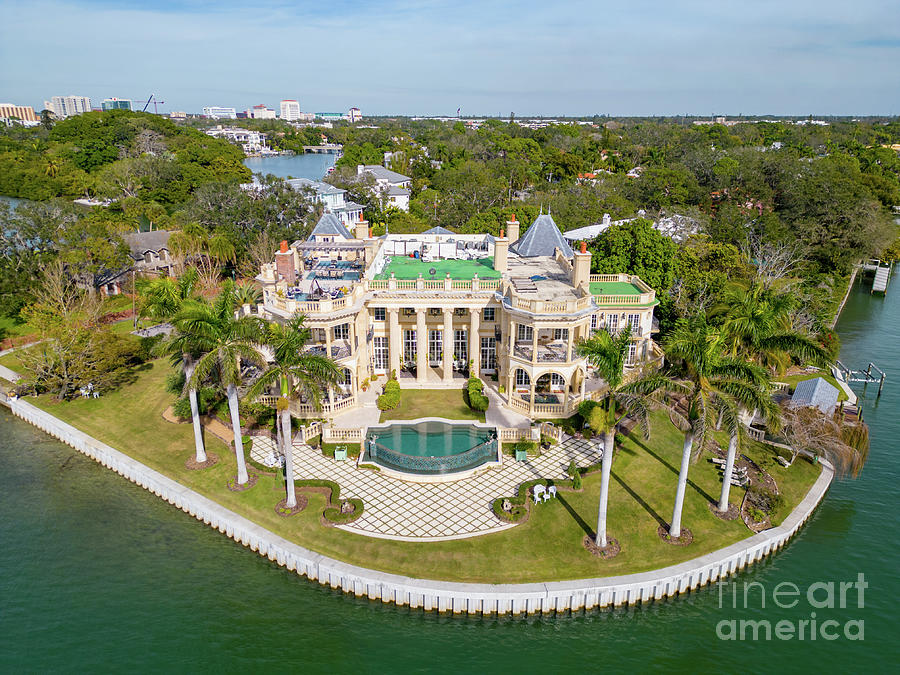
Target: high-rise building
[(22, 112), (219, 113), (260, 112), (66, 106), (354, 115), (290, 110), (116, 104)]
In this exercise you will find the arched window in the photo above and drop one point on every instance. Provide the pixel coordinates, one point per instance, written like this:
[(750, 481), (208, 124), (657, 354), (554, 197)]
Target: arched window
[(522, 379)]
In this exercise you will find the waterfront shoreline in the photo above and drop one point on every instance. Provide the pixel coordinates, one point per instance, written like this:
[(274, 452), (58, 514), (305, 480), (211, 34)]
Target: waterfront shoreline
[(443, 596)]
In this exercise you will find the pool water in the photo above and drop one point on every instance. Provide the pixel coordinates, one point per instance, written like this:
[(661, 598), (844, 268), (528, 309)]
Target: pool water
[(431, 447)]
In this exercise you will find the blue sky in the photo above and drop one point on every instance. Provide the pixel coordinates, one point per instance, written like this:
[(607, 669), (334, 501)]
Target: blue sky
[(638, 57)]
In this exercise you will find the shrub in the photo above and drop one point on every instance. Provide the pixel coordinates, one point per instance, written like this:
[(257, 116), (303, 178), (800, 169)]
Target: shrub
[(575, 474), (175, 382), (390, 399), (474, 395), (757, 515)]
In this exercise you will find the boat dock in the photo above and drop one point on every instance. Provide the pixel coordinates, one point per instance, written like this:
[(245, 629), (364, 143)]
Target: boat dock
[(882, 270), (845, 374)]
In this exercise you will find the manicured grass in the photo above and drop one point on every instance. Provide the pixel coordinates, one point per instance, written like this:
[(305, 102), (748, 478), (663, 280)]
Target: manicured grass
[(546, 547), (12, 361), (614, 288), (794, 380), (411, 268), (415, 403), (11, 328)]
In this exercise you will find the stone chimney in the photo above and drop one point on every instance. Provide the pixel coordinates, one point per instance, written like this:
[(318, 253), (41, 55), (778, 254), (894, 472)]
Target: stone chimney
[(581, 267), (501, 252), (361, 227), (284, 264), (512, 226)]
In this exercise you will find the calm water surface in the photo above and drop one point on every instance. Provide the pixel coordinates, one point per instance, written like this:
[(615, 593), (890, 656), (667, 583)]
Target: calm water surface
[(97, 574), (310, 166)]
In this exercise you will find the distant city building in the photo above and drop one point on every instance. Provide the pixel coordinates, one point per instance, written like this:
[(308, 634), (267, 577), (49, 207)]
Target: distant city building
[(330, 115), (66, 106), (354, 115), (290, 110), (22, 112), (251, 141), (178, 115), (260, 112), (219, 113), (116, 104)]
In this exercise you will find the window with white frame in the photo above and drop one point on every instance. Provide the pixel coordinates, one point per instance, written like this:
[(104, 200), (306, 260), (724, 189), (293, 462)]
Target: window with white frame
[(522, 379), (612, 323), (561, 334), (488, 314), (595, 322), (435, 346), (557, 382), (380, 313), (342, 332), (525, 333), (461, 345), (409, 346), (488, 353), (380, 354), (634, 322), (632, 353)]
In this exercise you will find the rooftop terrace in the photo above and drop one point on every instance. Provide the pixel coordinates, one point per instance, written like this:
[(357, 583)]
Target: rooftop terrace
[(411, 268), (614, 288)]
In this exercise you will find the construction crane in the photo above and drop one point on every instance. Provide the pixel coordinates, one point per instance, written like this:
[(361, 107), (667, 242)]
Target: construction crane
[(156, 102)]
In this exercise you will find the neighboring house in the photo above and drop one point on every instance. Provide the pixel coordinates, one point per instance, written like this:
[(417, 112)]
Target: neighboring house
[(393, 188), (332, 198), (676, 226), (150, 252), (251, 141)]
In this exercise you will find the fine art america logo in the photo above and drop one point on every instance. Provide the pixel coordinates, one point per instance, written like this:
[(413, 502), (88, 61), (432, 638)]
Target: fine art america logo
[(819, 623)]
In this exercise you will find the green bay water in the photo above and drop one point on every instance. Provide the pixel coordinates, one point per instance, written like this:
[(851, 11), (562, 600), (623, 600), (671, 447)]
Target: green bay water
[(98, 574)]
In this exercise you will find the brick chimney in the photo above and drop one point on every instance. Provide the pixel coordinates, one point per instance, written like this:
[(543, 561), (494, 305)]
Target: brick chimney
[(512, 226), (284, 264), (581, 267), (501, 252)]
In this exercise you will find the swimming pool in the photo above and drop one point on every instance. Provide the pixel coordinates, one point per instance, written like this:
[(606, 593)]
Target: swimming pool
[(431, 446)]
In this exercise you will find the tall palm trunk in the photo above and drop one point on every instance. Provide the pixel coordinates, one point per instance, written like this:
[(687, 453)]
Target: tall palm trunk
[(291, 500), (675, 528), (238, 439), (195, 413), (609, 441), (726, 478)]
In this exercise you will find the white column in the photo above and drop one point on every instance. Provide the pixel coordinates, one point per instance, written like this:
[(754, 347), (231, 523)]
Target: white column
[(447, 342), (395, 342), (474, 341), (421, 347), (534, 340)]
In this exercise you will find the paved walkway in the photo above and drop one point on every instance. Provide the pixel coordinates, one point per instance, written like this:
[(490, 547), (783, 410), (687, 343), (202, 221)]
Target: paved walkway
[(396, 509)]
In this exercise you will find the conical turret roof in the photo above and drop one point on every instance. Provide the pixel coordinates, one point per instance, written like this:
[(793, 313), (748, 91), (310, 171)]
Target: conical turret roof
[(541, 239)]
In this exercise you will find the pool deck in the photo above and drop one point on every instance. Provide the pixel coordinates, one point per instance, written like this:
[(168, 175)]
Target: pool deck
[(398, 509), (411, 268)]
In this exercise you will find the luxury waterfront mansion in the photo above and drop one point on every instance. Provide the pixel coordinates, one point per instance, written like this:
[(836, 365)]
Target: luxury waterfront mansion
[(433, 306)]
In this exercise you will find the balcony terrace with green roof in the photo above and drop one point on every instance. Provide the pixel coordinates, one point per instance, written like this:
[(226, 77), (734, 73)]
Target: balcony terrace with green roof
[(459, 270)]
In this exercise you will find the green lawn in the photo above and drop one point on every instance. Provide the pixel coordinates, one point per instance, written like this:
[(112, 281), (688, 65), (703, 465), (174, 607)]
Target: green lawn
[(411, 268), (415, 403), (546, 547), (794, 380), (614, 288)]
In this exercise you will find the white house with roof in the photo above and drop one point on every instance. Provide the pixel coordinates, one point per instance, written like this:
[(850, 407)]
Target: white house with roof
[(393, 187), (332, 198)]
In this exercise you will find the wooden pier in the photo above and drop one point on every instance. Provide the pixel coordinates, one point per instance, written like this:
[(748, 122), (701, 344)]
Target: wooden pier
[(865, 376), (882, 270)]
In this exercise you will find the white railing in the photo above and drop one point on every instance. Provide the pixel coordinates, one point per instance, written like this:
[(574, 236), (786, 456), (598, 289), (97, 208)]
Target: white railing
[(514, 435), (551, 431), (331, 435)]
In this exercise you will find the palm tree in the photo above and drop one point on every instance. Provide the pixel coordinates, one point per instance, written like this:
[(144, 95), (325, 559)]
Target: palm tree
[(162, 298), (716, 386), (293, 369), (757, 322), (607, 354), (222, 341)]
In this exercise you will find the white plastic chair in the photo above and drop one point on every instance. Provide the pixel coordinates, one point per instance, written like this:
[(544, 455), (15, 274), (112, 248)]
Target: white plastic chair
[(551, 492), (538, 493)]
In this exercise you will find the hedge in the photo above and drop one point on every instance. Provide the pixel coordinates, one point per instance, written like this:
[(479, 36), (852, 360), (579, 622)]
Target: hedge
[(390, 399), (476, 399)]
